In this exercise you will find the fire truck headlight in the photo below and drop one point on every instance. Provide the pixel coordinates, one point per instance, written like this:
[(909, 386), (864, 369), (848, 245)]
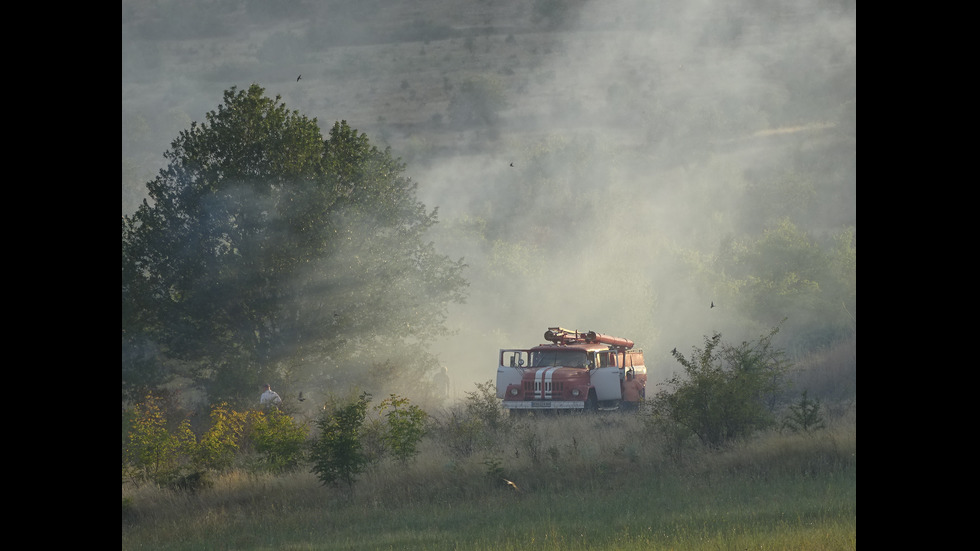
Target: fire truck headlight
[(575, 392), (513, 392)]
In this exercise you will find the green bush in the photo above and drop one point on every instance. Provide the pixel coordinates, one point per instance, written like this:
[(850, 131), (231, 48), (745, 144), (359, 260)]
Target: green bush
[(153, 452), (404, 427), (221, 443), (337, 453), (804, 416), (726, 392), (279, 439), (482, 404)]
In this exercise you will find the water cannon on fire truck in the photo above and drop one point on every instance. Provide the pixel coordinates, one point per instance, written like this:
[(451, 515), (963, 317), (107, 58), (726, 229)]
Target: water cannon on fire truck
[(573, 371)]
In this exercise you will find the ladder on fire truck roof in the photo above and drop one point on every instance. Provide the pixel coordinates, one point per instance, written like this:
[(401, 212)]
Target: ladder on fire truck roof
[(559, 335)]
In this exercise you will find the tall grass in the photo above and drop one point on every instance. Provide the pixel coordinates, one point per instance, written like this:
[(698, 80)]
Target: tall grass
[(585, 482)]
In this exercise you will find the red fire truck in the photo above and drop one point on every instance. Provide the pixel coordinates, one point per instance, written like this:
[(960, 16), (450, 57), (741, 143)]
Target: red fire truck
[(573, 371)]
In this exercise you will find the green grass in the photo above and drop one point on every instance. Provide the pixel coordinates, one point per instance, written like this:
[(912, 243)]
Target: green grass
[(617, 490)]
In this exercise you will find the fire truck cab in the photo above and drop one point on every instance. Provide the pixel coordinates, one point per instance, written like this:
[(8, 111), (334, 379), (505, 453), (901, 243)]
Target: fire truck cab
[(584, 371)]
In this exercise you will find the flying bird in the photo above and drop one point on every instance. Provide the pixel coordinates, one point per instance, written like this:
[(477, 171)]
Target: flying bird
[(712, 304), (299, 77), (511, 164), (511, 484)]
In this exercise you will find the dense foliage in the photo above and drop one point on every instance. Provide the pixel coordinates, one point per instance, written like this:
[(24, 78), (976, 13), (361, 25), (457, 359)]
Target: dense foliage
[(267, 253), (400, 427), (726, 391), (153, 451), (337, 453), (160, 448)]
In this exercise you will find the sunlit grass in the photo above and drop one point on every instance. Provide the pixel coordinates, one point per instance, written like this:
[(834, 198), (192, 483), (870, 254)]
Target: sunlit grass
[(594, 483)]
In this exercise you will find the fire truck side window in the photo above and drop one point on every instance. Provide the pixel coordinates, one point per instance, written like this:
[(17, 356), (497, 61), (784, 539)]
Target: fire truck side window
[(602, 359)]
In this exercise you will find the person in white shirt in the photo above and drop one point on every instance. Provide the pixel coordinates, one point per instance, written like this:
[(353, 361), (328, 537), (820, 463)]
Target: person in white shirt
[(269, 397)]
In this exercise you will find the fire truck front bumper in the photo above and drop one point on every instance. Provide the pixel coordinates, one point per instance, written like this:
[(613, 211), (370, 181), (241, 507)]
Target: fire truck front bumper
[(543, 404)]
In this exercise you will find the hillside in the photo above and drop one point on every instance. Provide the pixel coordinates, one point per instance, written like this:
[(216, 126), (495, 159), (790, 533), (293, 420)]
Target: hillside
[(603, 69)]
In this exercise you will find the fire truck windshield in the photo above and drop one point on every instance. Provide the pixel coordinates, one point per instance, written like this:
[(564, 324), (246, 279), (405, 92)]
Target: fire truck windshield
[(566, 358)]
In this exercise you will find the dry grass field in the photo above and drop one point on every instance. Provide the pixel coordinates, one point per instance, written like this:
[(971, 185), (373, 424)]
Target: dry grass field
[(601, 482)]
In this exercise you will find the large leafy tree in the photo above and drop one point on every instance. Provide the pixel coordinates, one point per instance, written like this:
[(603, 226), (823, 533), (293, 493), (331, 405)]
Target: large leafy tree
[(265, 252)]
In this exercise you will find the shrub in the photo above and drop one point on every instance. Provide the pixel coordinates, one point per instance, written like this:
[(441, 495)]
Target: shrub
[(476, 426), (151, 451), (804, 415), (404, 427), (396, 430), (178, 459), (482, 404), (279, 439), (218, 447), (493, 469), (337, 453), (729, 391)]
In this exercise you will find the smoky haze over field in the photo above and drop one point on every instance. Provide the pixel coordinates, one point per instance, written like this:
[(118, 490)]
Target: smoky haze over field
[(616, 144)]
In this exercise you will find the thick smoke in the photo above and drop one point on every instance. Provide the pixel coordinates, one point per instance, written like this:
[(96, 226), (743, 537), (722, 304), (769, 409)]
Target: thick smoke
[(618, 137)]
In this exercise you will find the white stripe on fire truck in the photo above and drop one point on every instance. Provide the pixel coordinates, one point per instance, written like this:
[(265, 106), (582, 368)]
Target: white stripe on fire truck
[(545, 378), (551, 373)]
